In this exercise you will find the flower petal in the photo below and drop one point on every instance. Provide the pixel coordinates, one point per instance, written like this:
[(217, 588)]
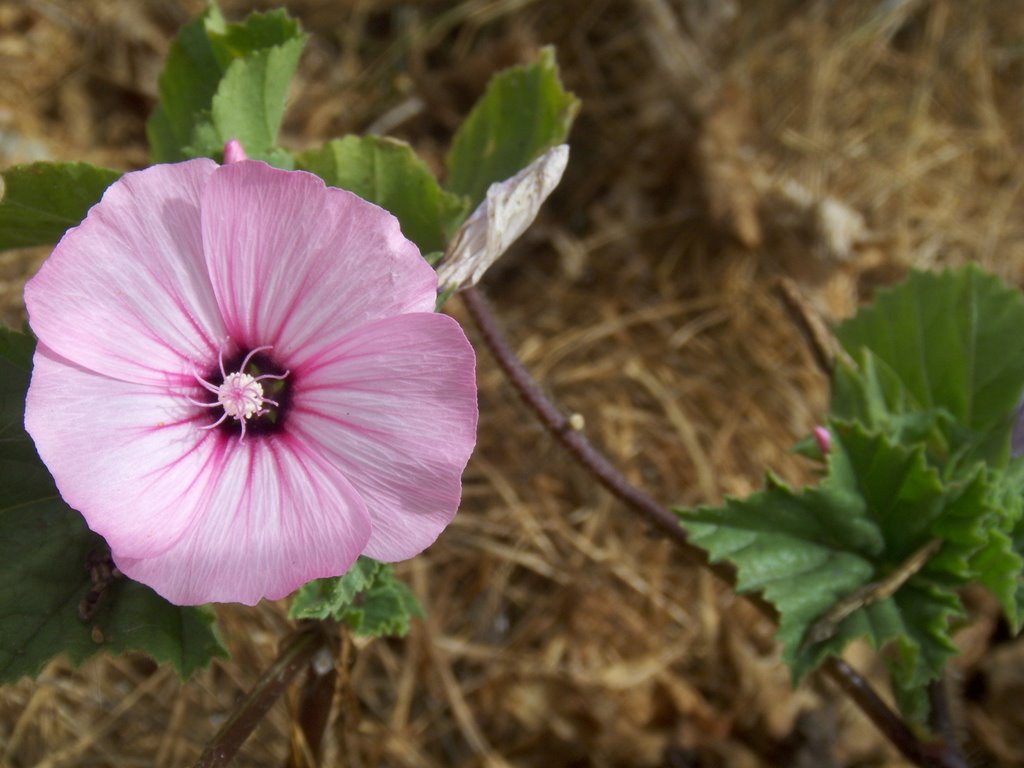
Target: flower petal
[(278, 517), (393, 406), (126, 293), (130, 457), (291, 259)]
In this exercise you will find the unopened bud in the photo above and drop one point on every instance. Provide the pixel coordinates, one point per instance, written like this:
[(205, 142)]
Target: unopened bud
[(824, 438), (234, 152)]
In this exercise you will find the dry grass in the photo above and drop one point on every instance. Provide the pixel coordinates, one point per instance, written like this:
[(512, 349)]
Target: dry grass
[(720, 144)]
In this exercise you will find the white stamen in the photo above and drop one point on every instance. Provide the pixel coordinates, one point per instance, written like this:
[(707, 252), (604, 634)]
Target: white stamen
[(240, 394)]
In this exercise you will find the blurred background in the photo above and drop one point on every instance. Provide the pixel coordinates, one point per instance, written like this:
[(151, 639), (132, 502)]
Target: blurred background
[(721, 144)]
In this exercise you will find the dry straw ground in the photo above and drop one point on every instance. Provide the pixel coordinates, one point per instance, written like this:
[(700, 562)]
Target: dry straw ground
[(721, 143)]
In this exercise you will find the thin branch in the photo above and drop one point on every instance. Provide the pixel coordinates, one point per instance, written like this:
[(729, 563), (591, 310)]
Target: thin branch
[(315, 704), (927, 755), (940, 716), (824, 346), (296, 651), (577, 444)]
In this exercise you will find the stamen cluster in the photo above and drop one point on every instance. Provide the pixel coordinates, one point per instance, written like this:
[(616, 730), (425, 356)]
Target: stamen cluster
[(240, 394)]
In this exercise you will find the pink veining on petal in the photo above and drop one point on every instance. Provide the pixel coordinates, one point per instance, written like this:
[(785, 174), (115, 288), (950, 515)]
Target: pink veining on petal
[(393, 406), (279, 516), (127, 456), (127, 292), (295, 263)]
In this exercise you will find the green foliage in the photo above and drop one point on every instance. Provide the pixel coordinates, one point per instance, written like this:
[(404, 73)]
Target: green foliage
[(17, 349), (952, 340), (368, 598), (387, 172), (524, 112), (44, 551), (807, 550), (226, 81), (919, 498), (40, 201)]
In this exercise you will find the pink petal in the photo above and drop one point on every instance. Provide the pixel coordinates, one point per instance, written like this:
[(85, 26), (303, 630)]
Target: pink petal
[(130, 457), (393, 406), (293, 261), (278, 517), (126, 293)]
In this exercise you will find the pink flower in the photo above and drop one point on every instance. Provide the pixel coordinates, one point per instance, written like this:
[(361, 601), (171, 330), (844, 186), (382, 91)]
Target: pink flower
[(241, 384)]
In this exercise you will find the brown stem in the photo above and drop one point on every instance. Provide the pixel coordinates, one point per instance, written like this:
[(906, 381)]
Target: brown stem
[(824, 346), (314, 714), (296, 651), (575, 442), (927, 755), (940, 716)]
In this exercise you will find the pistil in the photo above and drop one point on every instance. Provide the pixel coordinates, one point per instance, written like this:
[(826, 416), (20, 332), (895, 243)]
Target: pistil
[(240, 394)]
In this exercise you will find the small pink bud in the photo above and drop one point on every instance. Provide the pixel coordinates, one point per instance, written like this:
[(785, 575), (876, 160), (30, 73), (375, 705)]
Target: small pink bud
[(821, 434), (234, 152)]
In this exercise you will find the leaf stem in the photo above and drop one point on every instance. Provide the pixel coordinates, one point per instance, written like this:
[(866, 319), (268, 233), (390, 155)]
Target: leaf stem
[(296, 651), (892, 726)]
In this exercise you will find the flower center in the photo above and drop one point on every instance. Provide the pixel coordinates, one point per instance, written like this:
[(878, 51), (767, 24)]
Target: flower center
[(241, 395), (252, 399)]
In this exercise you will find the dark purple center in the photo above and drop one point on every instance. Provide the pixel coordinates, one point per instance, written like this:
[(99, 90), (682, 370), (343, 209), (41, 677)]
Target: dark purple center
[(278, 390)]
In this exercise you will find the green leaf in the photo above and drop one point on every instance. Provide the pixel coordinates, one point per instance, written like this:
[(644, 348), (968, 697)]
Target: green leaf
[(875, 396), (44, 550), (226, 81), (187, 84), (17, 349), (1000, 564), (41, 201), (952, 339), (1017, 540), (368, 598), (879, 508), (524, 112), (250, 101), (387, 172)]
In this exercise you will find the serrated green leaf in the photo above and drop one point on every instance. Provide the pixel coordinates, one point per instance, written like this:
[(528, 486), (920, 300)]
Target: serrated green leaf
[(226, 81), (187, 84), (387, 610), (39, 202), (44, 548), (250, 101), (1017, 539), (368, 598), (874, 395), (953, 340), (524, 112), (923, 644), (810, 550), (330, 598), (387, 172), (1000, 565)]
